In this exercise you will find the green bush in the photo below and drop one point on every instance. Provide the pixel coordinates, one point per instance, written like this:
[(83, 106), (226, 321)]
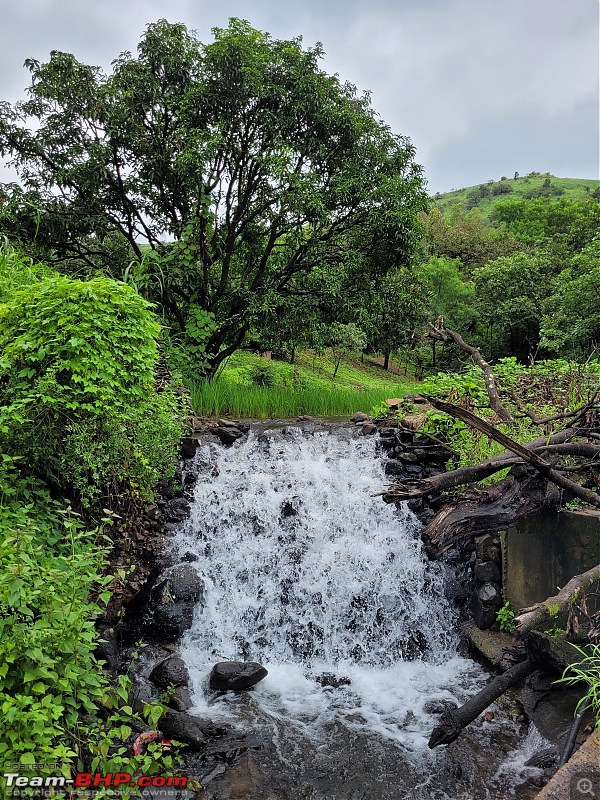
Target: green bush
[(77, 388), (58, 706), (262, 374)]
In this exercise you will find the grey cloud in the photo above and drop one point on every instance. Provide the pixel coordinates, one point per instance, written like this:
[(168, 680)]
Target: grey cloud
[(451, 74)]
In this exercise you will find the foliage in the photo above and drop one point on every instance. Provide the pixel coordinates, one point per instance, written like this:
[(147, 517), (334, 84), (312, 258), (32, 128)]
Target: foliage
[(534, 221), (221, 397), (586, 671), (57, 703), (464, 235), (510, 292), (395, 311), (345, 339), (263, 374), (571, 320), (452, 296), (76, 387), (546, 387), (17, 271), (256, 162), (505, 617), (485, 197)]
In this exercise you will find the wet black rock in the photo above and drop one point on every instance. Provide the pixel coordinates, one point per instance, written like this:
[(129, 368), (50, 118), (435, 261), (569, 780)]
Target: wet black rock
[(236, 675), (189, 446), (170, 622), (486, 572), (490, 594), (109, 650), (409, 458), (288, 510), (487, 548), (142, 693), (179, 583), (171, 671), (368, 428), (543, 758), (184, 728), (227, 435), (438, 706), (181, 699), (163, 609), (393, 467), (484, 616), (176, 510)]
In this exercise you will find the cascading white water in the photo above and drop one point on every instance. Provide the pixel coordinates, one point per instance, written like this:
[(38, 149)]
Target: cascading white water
[(308, 573)]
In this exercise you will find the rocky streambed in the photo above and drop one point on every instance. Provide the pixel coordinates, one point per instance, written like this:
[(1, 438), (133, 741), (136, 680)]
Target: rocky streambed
[(274, 550)]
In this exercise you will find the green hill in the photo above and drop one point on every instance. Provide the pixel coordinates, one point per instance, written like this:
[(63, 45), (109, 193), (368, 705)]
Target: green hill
[(485, 195)]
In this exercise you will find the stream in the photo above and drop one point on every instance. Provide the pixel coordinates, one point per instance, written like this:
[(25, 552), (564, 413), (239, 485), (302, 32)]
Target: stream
[(310, 574)]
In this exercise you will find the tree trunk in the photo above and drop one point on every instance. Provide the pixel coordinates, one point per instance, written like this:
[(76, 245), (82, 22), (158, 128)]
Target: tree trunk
[(386, 361)]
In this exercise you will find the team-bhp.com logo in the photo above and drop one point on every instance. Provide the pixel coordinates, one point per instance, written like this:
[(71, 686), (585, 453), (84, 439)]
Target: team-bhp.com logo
[(88, 780)]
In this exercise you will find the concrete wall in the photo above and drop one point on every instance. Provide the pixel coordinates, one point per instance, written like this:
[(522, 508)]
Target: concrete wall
[(544, 552)]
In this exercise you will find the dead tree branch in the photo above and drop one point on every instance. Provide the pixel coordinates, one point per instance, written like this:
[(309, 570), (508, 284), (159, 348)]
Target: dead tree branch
[(558, 606), (444, 334), (544, 467), (454, 720)]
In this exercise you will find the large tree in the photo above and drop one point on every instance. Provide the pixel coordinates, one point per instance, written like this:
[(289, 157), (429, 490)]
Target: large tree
[(243, 154)]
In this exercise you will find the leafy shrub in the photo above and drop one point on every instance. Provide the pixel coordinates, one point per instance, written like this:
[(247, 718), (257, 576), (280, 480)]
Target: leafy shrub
[(57, 704), (505, 617), (262, 374), (17, 271), (76, 387)]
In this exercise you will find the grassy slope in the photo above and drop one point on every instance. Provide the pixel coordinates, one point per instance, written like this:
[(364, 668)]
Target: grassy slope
[(574, 190), (306, 387)]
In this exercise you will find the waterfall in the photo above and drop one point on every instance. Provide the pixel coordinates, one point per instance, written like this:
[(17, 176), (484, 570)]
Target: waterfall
[(309, 573)]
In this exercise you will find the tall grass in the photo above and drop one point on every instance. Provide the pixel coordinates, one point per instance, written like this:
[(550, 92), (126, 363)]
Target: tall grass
[(263, 402)]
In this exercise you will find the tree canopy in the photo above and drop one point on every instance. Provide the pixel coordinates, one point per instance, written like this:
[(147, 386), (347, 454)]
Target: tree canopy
[(239, 164)]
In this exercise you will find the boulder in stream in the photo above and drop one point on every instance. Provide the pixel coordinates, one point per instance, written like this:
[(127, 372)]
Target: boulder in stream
[(236, 675), (171, 671)]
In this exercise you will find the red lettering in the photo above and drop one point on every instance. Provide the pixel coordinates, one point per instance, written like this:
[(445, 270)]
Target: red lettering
[(83, 779), (145, 781), (105, 779), (159, 781), (121, 777), (178, 781)]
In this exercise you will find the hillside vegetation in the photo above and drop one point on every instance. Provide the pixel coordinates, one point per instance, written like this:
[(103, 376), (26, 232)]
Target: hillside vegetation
[(485, 196)]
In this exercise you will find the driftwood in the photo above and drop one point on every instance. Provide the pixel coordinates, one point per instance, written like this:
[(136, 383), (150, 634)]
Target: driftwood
[(493, 508), (558, 606), (531, 457), (551, 654), (444, 334), (407, 490), (454, 720)]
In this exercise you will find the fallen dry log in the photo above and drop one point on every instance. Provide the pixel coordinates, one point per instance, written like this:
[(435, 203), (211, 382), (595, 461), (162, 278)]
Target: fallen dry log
[(493, 508), (557, 607), (454, 720), (557, 444), (544, 467)]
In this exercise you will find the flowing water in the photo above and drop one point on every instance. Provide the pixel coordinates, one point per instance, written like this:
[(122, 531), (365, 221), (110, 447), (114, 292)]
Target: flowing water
[(321, 582)]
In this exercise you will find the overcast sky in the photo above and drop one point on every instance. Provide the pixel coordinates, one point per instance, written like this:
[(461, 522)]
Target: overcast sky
[(483, 88)]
